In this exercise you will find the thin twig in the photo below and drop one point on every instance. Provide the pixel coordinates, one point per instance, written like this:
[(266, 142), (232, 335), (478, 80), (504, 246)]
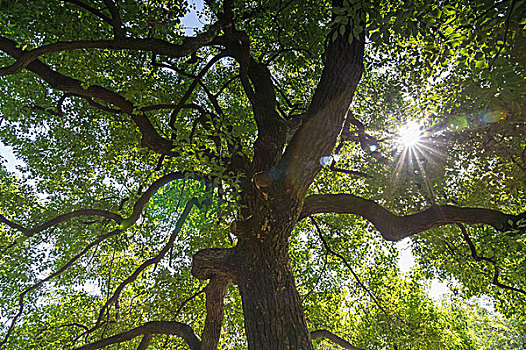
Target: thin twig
[(341, 257), (496, 271)]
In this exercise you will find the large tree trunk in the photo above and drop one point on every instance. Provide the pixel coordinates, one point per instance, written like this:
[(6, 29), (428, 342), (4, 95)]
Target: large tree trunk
[(273, 312)]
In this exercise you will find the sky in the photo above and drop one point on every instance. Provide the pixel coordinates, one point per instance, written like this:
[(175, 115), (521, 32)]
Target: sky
[(406, 262), (7, 157), (192, 21)]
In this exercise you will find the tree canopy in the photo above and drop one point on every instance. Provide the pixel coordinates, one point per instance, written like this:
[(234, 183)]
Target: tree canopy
[(241, 184)]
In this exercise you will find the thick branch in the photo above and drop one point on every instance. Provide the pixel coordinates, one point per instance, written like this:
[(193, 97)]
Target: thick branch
[(118, 28), (155, 327), (215, 296), (157, 46), (259, 88), (151, 138), (323, 333), (210, 262), (325, 117), (124, 223), (393, 227)]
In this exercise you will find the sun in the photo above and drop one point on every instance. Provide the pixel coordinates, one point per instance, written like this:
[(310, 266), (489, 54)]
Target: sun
[(409, 134)]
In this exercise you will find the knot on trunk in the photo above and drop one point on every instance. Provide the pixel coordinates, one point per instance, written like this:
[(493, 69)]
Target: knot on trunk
[(241, 227), (211, 262)]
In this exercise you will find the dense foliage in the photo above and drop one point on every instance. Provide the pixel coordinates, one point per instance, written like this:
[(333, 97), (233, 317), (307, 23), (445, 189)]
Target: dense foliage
[(144, 143)]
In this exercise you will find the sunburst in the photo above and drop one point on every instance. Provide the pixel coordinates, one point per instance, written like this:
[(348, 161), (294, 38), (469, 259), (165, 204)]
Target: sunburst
[(414, 150)]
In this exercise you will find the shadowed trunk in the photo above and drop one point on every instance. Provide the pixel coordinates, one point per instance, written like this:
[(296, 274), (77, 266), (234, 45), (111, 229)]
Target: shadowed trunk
[(274, 318)]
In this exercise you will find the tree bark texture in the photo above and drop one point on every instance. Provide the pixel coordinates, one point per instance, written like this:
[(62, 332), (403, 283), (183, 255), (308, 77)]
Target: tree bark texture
[(274, 318)]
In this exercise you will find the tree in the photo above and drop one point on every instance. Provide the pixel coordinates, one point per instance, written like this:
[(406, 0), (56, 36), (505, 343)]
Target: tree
[(237, 150)]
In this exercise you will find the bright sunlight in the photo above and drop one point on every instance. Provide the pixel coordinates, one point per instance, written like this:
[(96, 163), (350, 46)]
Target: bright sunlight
[(409, 134)]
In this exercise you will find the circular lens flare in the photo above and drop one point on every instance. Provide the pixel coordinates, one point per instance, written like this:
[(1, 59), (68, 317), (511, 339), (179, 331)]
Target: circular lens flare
[(409, 134)]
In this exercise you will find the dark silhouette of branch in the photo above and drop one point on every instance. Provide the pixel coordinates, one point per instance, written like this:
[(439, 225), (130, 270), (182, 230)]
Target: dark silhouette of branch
[(124, 224), (155, 327), (346, 263), (395, 228), (91, 10), (477, 257), (45, 110), (506, 30), (145, 197), (190, 298), (157, 46), (225, 85), (194, 84), (324, 119), (346, 171), (150, 136), (116, 21), (323, 333), (61, 218), (113, 299), (256, 80), (146, 339)]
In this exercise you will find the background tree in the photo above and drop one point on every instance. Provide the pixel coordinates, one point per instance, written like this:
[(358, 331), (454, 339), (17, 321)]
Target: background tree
[(170, 179)]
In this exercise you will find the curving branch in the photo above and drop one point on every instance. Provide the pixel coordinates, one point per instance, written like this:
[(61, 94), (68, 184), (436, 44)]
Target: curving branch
[(124, 223), (395, 228), (323, 333), (157, 46), (155, 327), (61, 218), (150, 136), (149, 262), (137, 210), (478, 258), (186, 301), (193, 85), (256, 80), (145, 197)]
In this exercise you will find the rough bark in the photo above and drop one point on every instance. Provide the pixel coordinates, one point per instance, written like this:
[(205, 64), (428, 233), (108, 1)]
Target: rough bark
[(274, 318), (215, 294)]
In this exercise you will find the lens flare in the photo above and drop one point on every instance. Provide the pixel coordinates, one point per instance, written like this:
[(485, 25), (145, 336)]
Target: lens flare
[(409, 134)]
